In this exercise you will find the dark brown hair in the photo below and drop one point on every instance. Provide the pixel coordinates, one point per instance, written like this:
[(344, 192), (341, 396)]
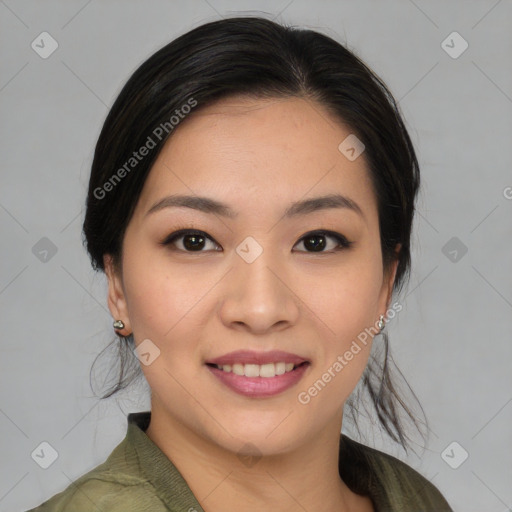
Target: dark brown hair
[(257, 57)]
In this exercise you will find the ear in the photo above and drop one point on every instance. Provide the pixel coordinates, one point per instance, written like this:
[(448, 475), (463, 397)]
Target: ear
[(389, 280), (116, 297)]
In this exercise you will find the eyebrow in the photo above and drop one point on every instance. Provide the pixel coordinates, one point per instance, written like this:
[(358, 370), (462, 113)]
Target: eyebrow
[(212, 206)]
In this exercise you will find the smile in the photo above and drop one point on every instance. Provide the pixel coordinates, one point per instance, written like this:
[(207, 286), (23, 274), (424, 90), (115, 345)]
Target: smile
[(258, 374), (255, 370)]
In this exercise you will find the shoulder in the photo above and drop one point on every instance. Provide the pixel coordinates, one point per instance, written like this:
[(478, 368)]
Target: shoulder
[(110, 487), (391, 481)]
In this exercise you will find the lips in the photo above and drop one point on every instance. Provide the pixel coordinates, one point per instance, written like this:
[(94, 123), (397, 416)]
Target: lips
[(260, 358), (258, 374)]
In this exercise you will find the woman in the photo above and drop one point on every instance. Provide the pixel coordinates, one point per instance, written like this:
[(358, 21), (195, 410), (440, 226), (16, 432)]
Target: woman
[(251, 202)]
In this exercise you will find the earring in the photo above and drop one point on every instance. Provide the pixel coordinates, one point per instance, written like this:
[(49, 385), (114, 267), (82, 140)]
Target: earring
[(381, 324), (118, 324)]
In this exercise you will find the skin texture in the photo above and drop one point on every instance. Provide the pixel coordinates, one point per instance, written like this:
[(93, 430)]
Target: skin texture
[(257, 156)]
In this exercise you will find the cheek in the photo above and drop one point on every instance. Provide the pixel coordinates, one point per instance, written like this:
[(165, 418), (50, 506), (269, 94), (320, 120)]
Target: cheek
[(345, 304), (168, 303), (345, 348), (156, 298), (345, 299)]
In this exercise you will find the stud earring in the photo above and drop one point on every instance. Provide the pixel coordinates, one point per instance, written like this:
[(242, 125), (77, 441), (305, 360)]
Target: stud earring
[(381, 324), (118, 324)]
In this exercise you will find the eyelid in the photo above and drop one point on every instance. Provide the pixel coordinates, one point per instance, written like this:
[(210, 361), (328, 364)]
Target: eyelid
[(327, 232), (343, 242), (185, 231)]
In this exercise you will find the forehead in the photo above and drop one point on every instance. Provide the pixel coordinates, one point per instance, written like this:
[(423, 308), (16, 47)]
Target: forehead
[(252, 153)]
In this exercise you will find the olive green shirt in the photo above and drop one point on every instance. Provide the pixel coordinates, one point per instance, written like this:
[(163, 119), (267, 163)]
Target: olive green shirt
[(138, 476)]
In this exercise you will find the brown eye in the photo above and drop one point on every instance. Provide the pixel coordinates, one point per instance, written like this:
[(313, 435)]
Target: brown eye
[(317, 241), (189, 241)]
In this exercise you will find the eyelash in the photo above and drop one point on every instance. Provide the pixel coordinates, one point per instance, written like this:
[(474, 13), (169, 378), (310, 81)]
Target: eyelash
[(180, 233)]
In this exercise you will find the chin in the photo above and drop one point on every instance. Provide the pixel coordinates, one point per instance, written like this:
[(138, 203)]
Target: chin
[(261, 434)]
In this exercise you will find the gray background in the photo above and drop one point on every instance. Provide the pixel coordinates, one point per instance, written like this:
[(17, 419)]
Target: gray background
[(453, 338)]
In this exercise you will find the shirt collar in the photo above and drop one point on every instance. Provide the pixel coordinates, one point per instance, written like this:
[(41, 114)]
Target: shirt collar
[(169, 484)]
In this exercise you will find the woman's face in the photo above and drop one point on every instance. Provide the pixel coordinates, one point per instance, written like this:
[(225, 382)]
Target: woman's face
[(250, 281)]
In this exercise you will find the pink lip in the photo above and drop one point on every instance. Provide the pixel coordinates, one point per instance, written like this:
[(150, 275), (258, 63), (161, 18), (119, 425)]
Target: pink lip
[(259, 387), (252, 357)]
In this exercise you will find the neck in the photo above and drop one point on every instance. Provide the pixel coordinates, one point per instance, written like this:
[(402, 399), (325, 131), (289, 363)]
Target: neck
[(305, 478)]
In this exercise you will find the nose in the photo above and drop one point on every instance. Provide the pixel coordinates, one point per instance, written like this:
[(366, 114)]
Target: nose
[(258, 297)]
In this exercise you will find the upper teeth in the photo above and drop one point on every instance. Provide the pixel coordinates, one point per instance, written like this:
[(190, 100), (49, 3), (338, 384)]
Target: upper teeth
[(256, 370)]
